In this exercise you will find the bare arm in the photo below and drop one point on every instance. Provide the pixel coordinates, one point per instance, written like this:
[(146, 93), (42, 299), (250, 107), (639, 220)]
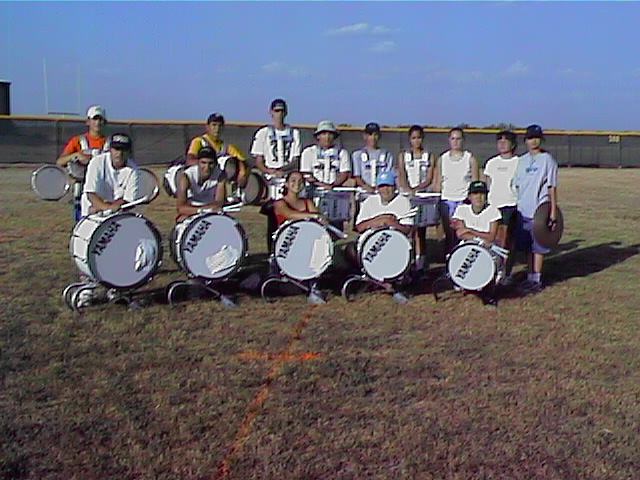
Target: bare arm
[(475, 169), (362, 184), (403, 181), (553, 213), (437, 176), (185, 208), (282, 208), (464, 233), (98, 204)]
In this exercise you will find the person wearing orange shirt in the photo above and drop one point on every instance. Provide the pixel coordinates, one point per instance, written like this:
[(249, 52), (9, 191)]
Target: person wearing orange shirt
[(80, 149)]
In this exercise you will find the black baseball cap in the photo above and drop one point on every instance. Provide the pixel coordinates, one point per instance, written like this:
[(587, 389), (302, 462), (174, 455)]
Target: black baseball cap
[(278, 103), (215, 117), (207, 152), (478, 187), (508, 134), (120, 141), (372, 127), (534, 131)]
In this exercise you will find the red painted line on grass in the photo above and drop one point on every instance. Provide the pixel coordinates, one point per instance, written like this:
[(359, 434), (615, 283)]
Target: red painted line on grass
[(255, 407)]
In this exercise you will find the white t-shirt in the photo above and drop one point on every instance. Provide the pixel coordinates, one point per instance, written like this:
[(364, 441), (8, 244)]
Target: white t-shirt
[(416, 168), (278, 147), (201, 194), (480, 222), (456, 176), (109, 183), (373, 206), (502, 192), (325, 164)]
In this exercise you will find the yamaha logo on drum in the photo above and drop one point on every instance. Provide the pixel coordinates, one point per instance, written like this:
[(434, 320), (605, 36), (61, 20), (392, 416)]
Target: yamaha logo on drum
[(377, 247), (468, 263), (196, 236), (289, 237), (105, 238)]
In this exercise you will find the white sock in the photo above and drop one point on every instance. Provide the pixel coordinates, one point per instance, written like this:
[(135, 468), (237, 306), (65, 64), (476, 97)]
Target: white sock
[(534, 277)]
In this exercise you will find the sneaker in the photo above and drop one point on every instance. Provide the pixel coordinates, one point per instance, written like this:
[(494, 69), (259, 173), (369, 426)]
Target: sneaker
[(490, 302), (112, 294), (507, 281), (84, 298), (315, 298), (400, 298), (457, 288), (529, 286)]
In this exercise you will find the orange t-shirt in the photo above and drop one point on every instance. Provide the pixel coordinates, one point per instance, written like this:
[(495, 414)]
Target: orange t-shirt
[(74, 144)]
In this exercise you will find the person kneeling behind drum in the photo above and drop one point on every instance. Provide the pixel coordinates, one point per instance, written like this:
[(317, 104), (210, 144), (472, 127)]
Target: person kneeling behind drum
[(200, 187), (384, 209), (477, 220), (292, 207)]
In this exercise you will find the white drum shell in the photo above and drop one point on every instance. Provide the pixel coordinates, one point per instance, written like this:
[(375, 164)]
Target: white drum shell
[(303, 249), (50, 182), (121, 250), (384, 254), (209, 245), (472, 266)]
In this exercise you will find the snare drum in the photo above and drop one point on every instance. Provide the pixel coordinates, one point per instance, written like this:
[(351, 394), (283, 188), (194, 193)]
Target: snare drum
[(208, 245), (384, 253), (49, 182), (170, 179), (255, 190), (231, 167), (76, 170), (121, 250), (428, 211), (336, 206), (303, 249), (472, 266), (148, 184)]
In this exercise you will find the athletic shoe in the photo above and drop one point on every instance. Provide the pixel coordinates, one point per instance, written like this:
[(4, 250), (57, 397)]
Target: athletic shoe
[(85, 298), (507, 281), (529, 286), (400, 298), (315, 298)]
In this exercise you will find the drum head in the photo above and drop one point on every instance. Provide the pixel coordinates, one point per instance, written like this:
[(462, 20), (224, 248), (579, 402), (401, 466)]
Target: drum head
[(169, 180), (231, 168), (303, 249), (76, 170), (148, 184), (212, 246), (471, 266), (49, 182), (124, 251), (254, 190), (544, 236), (385, 254)]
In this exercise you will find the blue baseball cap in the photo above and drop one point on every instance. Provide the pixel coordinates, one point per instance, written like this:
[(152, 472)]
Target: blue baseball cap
[(386, 178)]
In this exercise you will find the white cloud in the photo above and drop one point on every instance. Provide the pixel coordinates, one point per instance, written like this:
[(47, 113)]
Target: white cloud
[(384, 47), (517, 69), (356, 28), (380, 30), (361, 28), (281, 68)]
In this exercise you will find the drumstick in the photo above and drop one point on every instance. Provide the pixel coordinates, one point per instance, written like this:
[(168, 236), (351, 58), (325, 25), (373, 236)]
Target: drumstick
[(126, 206), (232, 207), (337, 231)]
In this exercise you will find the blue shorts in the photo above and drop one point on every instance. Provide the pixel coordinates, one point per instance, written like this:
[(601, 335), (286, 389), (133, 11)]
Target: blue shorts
[(448, 207), (525, 241)]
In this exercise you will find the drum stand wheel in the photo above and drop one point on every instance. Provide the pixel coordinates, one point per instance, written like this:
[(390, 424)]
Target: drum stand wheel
[(173, 287), (314, 295)]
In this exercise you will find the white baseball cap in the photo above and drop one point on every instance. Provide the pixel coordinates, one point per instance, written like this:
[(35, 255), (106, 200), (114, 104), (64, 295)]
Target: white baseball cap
[(96, 111)]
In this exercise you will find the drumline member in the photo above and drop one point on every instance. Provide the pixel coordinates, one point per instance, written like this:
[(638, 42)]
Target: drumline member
[(325, 164), (498, 174), (371, 160), (201, 186), (276, 149), (213, 138), (454, 171), (386, 208), (415, 173), (536, 182), (477, 220), (81, 148), (292, 207), (112, 178)]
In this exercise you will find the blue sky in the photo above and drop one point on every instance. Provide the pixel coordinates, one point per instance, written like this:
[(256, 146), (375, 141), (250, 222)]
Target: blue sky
[(564, 65)]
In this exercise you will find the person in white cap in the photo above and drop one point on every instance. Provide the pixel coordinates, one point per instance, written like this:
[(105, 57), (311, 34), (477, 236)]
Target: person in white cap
[(81, 148), (113, 179), (325, 164), (455, 170)]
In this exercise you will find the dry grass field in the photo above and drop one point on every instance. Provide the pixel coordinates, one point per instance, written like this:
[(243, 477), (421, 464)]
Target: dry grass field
[(543, 387)]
